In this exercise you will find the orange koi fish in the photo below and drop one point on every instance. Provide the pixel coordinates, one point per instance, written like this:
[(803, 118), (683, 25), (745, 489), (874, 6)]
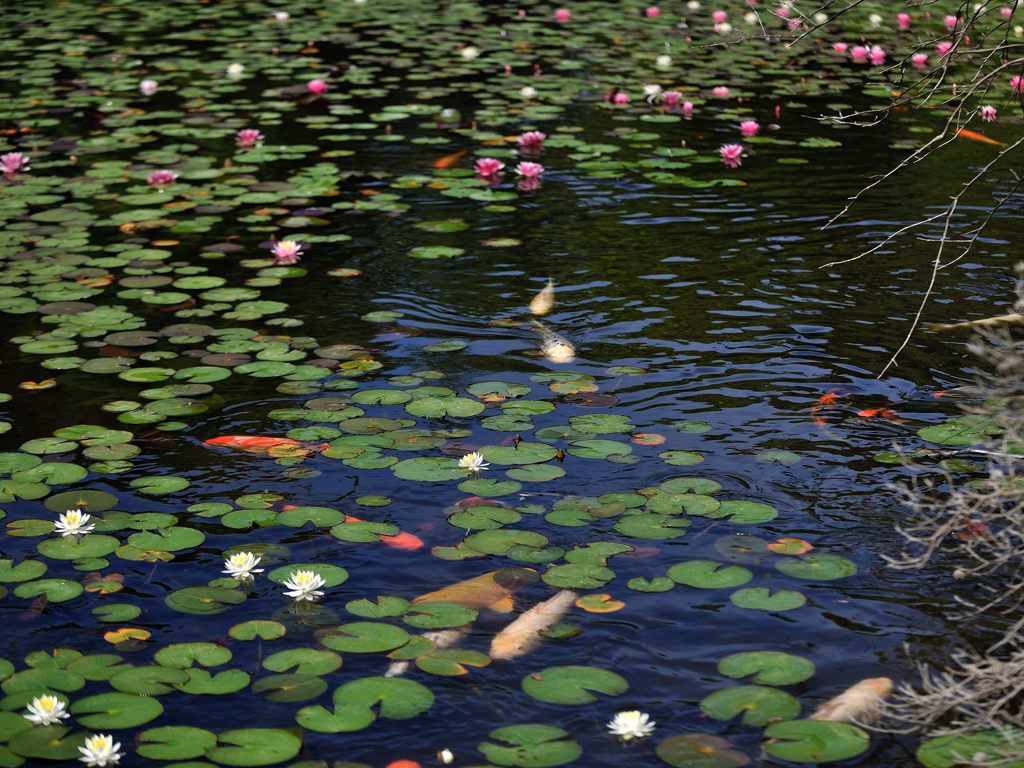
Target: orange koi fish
[(266, 446), (826, 403), (969, 134), (491, 590), (449, 160), (400, 540), (885, 413)]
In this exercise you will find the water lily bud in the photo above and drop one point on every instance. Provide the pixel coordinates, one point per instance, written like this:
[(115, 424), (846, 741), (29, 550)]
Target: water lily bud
[(446, 756)]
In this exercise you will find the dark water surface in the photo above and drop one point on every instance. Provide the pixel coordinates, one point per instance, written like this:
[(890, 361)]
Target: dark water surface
[(716, 298)]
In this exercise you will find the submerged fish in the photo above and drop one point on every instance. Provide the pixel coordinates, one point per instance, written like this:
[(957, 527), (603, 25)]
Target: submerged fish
[(523, 635), (267, 446), (555, 348), (858, 702), (544, 301), (491, 590), (1013, 317), (975, 136), (449, 160), (442, 638), (400, 540)]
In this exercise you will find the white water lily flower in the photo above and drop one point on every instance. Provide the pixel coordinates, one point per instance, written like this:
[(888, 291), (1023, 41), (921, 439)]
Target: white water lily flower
[(100, 750), (235, 70), (820, 18), (474, 462), (528, 92), (651, 91), (750, 17), (875, 19), (74, 522), (664, 61), (281, 16), (470, 52), (693, 5), (724, 28), (632, 724), (242, 565), (46, 710), (305, 585)]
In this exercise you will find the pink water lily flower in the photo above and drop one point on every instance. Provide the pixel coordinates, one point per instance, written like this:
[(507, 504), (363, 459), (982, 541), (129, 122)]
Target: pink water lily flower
[(620, 97), (944, 48), (652, 11), (562, 14), (687, 109), (531, 140), (316, 86), (988, 113), (950, 21), (840, 47), (286, 253), (720, 92), (903, 20), (14, 162), (1017, 84), (859, 54), (489, 166), (529, 170), (719, 17), (160, 178), (671, 98), (148, 86), (782, 12), (877, 55), (732, 155), (749, 128), (249, 137), (919, 60)]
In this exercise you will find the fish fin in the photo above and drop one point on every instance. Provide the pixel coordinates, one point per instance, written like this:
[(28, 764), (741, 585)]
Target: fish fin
[(503, 605)]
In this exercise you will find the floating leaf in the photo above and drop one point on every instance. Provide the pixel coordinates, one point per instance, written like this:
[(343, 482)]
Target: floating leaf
[(758, 705), (573, 684), (530, 746), (709, 574), (767, 667), (814, 741), (700, 750), (763, 599), (819, 566)]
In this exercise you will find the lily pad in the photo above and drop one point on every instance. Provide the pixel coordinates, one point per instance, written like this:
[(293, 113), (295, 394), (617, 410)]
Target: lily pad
[(573, 684)]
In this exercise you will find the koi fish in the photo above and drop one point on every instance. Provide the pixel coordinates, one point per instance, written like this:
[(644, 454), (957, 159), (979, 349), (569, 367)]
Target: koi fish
[(885, 413), (860, 701), (267, 446), (969, 134), (491, 590), (825, 403), (442, 638), (1013, 317), (449, 160), (544, 301), (523, 635), (400, 540), (555, 348)]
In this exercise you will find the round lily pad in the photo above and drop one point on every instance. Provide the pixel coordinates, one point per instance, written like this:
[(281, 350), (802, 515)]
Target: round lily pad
[(767, 667), (573, 684), (814, 741)]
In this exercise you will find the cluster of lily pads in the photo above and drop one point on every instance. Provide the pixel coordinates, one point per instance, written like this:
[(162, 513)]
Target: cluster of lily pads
[(165, 158)]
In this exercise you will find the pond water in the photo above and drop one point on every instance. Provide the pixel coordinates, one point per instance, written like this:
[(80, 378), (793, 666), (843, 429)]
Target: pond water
[(722, 405)]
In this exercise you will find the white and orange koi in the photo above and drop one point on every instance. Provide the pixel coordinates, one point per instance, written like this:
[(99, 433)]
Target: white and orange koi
[(523, 635)]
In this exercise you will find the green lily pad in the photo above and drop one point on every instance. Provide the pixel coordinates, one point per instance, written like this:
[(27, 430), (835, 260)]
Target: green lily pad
[(767, 667), (573, 684), (530, 746), (56, 590), (438, 615), (817, 566), (116, 710), (815, 741), (762, 599), (758, 704), (709, 574), (681, 458), (174, 742), (204, 601), (429, 469), (247, 747), (258, 628), (159, 485), (303, 661), (524, 453), (365, 637), (359, 702)]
